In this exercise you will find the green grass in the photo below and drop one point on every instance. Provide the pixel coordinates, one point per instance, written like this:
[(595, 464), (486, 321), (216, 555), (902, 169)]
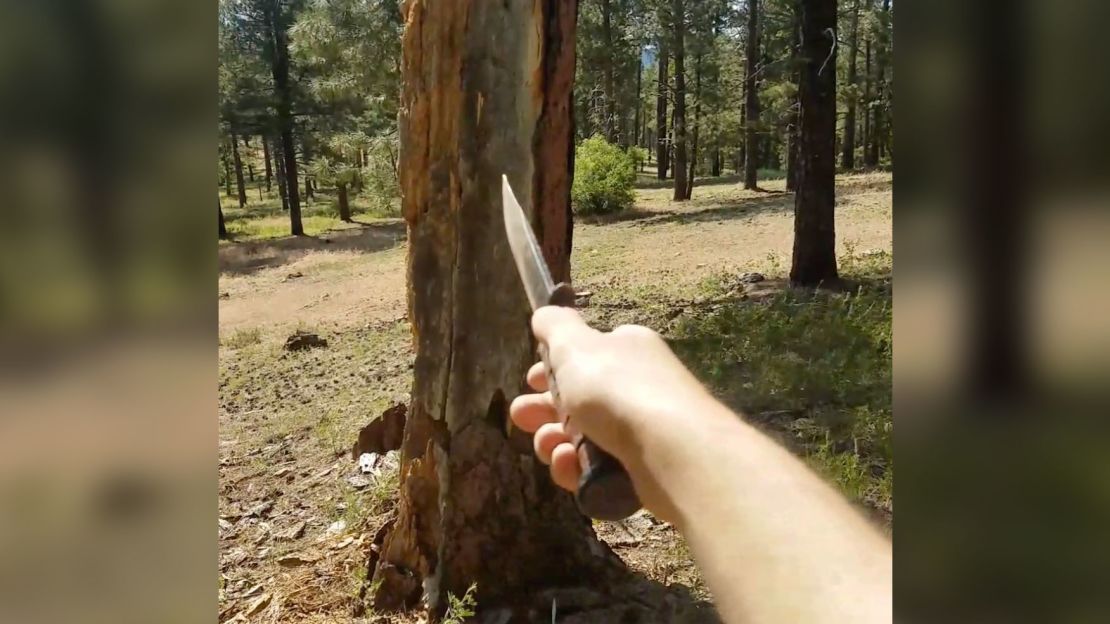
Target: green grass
[(815, 365), (264, 218)]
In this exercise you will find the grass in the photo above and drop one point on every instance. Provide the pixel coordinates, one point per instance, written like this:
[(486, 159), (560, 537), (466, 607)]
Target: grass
[(263, 217), (815, 366), (242, 338)]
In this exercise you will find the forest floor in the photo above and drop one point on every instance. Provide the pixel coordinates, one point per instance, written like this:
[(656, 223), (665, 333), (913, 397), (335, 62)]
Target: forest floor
[(296, 516)]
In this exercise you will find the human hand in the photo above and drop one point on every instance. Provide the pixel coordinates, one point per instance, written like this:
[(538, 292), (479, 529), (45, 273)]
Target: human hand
[(625, 390)]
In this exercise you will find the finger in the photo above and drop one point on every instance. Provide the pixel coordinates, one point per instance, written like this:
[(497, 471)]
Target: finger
[(537, 377), (554, 323), (547, 437), (564, 467), (530, 411)]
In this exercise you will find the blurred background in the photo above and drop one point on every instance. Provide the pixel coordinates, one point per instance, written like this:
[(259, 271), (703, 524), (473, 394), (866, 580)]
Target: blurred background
[(108, 311)]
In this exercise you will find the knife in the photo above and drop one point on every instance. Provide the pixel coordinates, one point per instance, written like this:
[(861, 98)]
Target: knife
[(605, 490)]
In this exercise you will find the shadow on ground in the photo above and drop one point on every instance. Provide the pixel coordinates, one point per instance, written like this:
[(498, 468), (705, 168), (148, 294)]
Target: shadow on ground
[(243, 258), (709, 209)]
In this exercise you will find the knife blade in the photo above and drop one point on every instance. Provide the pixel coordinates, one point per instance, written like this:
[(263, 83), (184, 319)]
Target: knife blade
[(605, 491)]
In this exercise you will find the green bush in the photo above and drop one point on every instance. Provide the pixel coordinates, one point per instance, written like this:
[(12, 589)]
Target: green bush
[(603, 178), (639, 156)]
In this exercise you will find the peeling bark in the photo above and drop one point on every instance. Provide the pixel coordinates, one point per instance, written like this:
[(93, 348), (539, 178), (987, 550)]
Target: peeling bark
[(475, 506)]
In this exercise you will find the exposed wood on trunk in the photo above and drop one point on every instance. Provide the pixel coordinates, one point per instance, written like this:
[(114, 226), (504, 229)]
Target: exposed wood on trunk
[(751, 98), (678, 14), (814, 258), (475, 505), (848, 156)]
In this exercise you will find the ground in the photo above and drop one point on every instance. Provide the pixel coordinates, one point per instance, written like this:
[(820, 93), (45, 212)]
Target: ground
[(813, 369)]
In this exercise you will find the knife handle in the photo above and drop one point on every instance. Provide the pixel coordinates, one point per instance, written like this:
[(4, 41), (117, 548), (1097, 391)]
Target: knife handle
[(605, 490)]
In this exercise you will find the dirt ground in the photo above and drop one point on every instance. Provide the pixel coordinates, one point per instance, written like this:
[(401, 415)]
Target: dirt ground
[(296, 518)]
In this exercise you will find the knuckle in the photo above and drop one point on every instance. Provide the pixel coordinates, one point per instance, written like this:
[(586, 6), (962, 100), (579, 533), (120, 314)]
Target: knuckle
[(638, 332)]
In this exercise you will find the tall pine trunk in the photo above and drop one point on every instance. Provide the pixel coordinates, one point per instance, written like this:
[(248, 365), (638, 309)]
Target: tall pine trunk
[(867, 106), (266, 157), (878, 131), (475, 506), (678, 14), (637, 137), (661, 111), (795, 109), (344, 205), (227, 174), (283, 186), (848, 157), (751, 99), (279, 31), (240, 185), (610, 125), (223, 226), (697, 119), (814, 259)]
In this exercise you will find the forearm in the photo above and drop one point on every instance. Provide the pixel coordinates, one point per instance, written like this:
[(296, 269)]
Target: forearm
[(775, 543)]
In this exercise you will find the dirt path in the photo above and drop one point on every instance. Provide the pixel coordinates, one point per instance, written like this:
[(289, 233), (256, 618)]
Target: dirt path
[(359, 277)]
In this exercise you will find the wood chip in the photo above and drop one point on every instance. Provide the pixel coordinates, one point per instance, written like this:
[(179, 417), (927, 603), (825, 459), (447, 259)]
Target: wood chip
[(297, 559), (259, 604)]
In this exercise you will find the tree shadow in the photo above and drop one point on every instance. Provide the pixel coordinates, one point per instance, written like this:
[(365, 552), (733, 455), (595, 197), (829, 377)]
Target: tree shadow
[(246, 257), (701, 210)]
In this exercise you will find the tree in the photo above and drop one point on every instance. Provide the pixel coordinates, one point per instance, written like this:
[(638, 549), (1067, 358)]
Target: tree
[(751, 98), (278, 17), (266, 156), (678, 18), (239, 184), (814, 258), (223, 226), (848, 156), (662, 94), (878, 132), (473, 508)]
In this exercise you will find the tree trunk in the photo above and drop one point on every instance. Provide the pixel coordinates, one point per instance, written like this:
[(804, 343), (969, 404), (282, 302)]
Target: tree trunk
[(716, 170), (697, 119), (814, 260), (266, 156), (678, 14), (283, 187), (639, 97), (227, 174), (308, 196), (867, 105), (848, 157), (475, 506), (240, 186), (877, 128), (751, 98), (344, 206), (795, 109), (223, 226), (661, 112), (607, 71), (279, 24)]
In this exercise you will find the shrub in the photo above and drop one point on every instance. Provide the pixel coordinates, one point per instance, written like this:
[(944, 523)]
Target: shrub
[(603, 178), (639, 156)]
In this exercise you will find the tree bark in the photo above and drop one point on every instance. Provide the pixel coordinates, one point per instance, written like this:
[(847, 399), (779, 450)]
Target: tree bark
[(661, 111), (266, 157), (475, 506), (279, 31), (697, 119), (867, 107), (610, 125), (344, 205), (814, 258), (227, 174), (223, 226), (877, 128), (240, 186), (283, 187), (637, 138), (308, 196), (795, 110), (716, 169), (678, 14), (751, 98), (848, 157)]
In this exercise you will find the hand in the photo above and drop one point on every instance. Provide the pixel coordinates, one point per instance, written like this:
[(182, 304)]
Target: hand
[(624, 390)]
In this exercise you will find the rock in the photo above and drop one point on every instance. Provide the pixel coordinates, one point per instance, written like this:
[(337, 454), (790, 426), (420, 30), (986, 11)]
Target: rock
[(343, 544), (225, 525), (260, 509), (225, 295), (359, 481), (292, 276), (582, 299), (297, 559), (292, 532), (259, 604), (335, 528), (252, 591), (302, 340), (281, 472), (751, 278)]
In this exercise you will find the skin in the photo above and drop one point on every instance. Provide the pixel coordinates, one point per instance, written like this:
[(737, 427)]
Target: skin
[(774, 542)]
